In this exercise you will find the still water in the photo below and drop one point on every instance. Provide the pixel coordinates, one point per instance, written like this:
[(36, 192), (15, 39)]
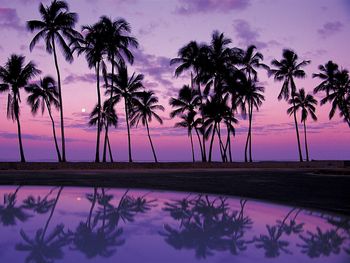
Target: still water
[(65, 224)]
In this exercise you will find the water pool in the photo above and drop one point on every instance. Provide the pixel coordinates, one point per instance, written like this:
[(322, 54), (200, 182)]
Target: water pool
[(66, 224)]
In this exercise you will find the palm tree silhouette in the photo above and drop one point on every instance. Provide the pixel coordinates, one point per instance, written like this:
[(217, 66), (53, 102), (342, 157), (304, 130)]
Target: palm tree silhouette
[(15, 75), (43, 95), (93, 46), (117, 43), (9, 212), (143, 110), (327, 74), (250, 61), (56, 25), (39, 205), (188, 121), (108, 117), (126, 87), (339, 96), (286, 70), (251, 97), (306, 103)]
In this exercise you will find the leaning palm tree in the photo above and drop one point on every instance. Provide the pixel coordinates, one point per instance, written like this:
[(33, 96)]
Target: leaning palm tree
[(306, 103), (56, 25), (43, 95), (117, 46), (15, 75), (143, 110), (126, 87), (287, 69), (93, 46), (188, 122)]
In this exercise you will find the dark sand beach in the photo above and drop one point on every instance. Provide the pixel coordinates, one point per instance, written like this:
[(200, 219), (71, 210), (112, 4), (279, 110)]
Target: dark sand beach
[(320, 185)]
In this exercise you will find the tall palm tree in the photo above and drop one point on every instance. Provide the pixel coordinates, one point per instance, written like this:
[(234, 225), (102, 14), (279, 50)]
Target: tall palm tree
[(287, 69), (93, 46), (15, 75), (143, 110), (43, 95), (126, 87), (108, 117), (117, 46), (56, 25), (251, 61), (251, 97), (188, 121), (307, 104)]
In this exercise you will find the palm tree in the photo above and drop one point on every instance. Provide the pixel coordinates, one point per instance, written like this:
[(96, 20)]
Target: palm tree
[(305, 103), (251, 61), (117, 43), (127, 87), (251, 97), (56, 26), (143, 110), (108, 117), (15, 75), (188, 100), (327, 74), (339, 96), (286, 70), (43, 95), (188, 121), (93, 46)]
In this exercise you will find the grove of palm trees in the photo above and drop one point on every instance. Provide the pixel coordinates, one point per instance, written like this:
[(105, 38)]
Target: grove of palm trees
[(223, 86)]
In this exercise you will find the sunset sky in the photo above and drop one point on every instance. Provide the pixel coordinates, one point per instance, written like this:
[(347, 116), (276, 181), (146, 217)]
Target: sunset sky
[(316, 29)]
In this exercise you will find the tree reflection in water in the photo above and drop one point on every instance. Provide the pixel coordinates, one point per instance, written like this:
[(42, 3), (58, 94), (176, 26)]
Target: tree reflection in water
[(9, 212), (101, 234), (44, 247), (206, 226)]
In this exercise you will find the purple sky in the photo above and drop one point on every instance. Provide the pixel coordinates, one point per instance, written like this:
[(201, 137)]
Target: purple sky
[(316, 29)]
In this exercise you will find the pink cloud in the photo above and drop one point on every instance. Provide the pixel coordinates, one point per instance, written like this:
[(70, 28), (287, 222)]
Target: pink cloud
[(9, 19), (204, 6)]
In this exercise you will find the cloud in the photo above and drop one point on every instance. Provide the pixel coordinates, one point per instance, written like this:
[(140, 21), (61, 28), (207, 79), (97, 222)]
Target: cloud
[(148, 29), (34, 137), (205, 6), (9, 19), (73, 78), (157, 67), (250, 36), (330, 29)]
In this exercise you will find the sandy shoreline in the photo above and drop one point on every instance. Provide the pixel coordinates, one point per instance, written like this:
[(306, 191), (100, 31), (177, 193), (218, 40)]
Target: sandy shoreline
[(318, 185)]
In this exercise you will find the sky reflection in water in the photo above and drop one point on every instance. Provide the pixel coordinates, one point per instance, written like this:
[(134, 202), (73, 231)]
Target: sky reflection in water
[(63, 224)]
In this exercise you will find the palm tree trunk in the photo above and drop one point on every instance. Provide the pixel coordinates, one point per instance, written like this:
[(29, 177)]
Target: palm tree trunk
[(221, 145), (21, 151), (92, 208), (295, 121), (104, 157), (306, 147), (150, 141), (106, 129), (211, 142), (200, 144), (54, 132), (51, 214), (246, 148), (97, 155), (204, 149), (60, 99), (128, 128), (250, 132), (109, 150), (193, 160)]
